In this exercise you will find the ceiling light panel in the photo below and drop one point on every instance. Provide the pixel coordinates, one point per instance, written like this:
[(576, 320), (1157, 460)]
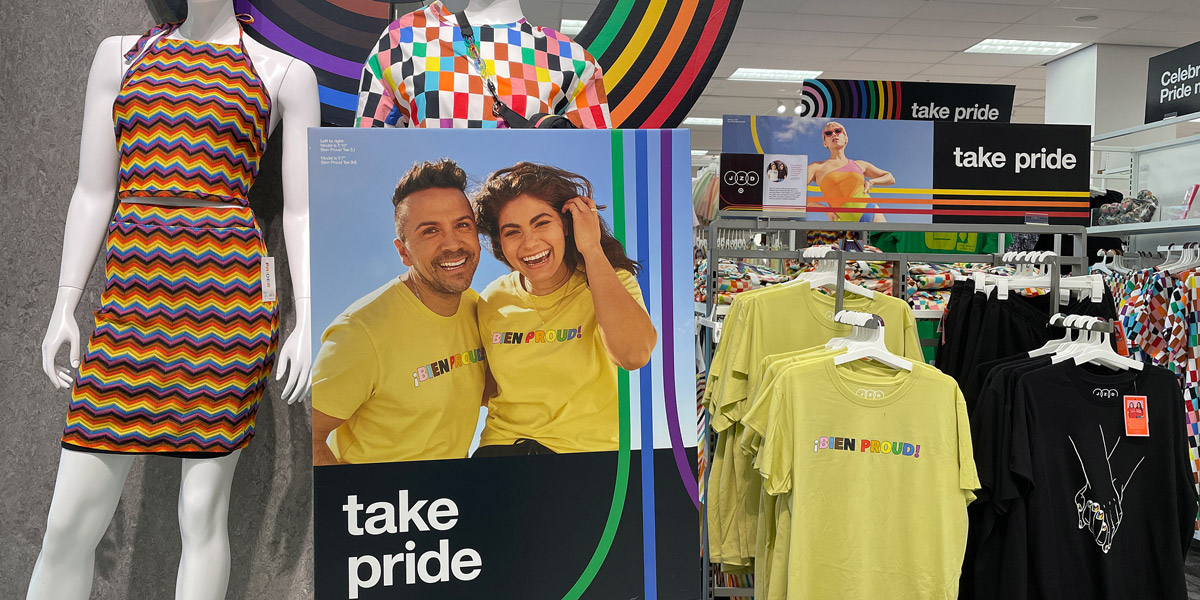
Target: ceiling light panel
[(572, 26), (703, 121), (1026, 47), (751, 74)]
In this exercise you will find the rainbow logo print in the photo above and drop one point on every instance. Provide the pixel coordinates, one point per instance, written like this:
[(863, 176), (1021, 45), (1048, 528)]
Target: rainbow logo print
[(445, 365)]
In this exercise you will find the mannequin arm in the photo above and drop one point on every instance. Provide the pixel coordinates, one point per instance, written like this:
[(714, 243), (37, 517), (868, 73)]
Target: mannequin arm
[(90, 209), (300, 109)]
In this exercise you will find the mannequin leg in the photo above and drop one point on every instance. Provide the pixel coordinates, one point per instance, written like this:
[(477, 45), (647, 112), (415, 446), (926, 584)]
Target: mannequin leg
[(86, 492), (204, 526)]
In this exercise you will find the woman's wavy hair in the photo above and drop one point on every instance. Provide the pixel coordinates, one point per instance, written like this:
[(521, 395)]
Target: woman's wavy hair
[(554, 186)]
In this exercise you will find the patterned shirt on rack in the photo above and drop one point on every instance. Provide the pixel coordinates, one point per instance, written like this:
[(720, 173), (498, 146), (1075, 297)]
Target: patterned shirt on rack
[(420, 75)]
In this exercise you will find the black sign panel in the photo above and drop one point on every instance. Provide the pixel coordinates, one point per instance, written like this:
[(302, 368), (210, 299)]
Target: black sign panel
[(741, 181), (1173, 84), (511, 527), (1043, 168), (907, 100)]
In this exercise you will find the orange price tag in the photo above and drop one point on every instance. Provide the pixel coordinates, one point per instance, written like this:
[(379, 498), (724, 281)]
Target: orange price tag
[(1137, 416)]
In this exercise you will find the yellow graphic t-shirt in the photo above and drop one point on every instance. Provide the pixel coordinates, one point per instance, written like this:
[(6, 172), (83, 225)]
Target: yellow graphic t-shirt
[(880, 472), (555, 381), (408, 381)]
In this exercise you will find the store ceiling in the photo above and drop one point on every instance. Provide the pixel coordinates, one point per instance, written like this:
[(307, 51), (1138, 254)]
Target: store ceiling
[(909, 40)]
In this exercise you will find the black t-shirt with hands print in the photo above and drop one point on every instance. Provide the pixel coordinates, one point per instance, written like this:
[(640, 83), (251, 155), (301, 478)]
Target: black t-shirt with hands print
[(1110, 516)]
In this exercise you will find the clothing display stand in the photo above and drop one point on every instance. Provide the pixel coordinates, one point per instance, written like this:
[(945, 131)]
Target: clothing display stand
[(794, 228)]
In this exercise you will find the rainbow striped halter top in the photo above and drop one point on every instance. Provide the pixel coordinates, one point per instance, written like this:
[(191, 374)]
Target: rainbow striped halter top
[(191, 120)]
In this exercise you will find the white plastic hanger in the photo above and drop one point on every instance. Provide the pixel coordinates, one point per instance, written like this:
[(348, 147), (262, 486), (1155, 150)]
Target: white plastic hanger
[(1097, 349), (826, 274), (1053, 345), (873, 346)]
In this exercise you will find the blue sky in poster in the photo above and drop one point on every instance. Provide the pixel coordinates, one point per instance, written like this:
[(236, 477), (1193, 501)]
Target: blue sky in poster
[(905, 148), (352, 227)]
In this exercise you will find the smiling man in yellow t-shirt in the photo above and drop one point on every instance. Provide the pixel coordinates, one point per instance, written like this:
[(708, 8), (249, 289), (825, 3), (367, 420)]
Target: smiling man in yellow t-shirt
[(401, 373)]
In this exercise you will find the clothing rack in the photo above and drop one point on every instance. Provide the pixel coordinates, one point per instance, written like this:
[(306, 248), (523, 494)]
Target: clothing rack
[(795, 228)]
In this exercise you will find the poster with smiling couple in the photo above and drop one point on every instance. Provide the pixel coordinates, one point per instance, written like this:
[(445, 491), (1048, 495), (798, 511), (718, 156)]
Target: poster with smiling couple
[(504, 377)]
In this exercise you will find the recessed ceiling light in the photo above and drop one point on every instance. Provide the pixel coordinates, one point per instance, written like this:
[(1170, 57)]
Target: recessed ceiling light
[(750, 74), (1086, 18), (1029, 47), (699, 152), (703, 121), (571, 26), (782, 108)]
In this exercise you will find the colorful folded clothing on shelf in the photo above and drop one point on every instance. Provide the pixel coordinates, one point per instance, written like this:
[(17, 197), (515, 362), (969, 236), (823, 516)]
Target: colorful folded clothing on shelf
[(929, 299)]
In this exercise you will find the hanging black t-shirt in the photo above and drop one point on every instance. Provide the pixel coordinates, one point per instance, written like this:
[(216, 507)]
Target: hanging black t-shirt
[(1020, 324), (995, 566), (1070, 447)]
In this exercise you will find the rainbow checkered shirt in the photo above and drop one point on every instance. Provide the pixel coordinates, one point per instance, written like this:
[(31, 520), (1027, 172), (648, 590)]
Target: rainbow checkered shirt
[(420, 75)]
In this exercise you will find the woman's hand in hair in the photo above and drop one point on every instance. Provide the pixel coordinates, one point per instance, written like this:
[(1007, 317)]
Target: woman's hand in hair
[(585, 224)]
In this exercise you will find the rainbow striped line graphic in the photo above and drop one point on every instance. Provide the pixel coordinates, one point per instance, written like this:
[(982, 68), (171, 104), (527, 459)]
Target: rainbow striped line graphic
[(641, 159), (851, 98)]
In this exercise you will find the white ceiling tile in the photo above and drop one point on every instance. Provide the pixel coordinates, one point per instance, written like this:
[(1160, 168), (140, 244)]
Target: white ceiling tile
[(1025, 31), (951, 78), (921, 42), (1031, 73), (865, 75), (970, 11), (779, 6), (1027, 84), (847, 24), (806, 55), (890, 56), (1022, 2), (863, 66), (970, 70), (1148, 5), (874, 8), (781, 37), (925, 27), (1171, 22), (1142, 37), (1109, 19), (1004, 60)]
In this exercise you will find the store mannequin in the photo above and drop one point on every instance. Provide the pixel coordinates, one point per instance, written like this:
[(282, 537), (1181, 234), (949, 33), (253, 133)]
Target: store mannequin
[(415, 77), (89, 484)]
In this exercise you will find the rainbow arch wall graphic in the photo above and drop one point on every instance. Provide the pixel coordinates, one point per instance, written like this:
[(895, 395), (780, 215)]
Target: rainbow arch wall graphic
[(658, 55)]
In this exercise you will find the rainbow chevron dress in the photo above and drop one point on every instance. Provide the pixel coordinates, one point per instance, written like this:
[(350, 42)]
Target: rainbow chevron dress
[(184, 341)]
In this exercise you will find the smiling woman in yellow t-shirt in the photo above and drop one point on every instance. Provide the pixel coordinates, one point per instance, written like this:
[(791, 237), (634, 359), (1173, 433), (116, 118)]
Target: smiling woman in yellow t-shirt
[(558, 326)]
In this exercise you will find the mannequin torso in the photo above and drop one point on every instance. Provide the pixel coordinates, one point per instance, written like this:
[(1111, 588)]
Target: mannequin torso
[(89, 484)]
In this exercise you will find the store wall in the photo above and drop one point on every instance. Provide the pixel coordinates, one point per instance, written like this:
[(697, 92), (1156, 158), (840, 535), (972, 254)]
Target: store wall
[(47, 51)]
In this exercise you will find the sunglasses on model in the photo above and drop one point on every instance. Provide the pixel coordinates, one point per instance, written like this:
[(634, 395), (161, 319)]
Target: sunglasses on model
[(834, 131)]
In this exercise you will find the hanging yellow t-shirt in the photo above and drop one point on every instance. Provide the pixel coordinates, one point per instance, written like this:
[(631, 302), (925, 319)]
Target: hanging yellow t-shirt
[(796, 316), (880, 471), (764, 322), (555, 382), (408, 381)]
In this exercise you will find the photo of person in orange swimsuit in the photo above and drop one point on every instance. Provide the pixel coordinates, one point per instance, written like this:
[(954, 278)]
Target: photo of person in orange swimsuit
[(843, 181)]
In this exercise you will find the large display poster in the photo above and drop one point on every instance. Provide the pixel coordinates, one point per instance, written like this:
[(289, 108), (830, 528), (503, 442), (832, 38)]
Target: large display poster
[(869, 170), (621, 523)]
